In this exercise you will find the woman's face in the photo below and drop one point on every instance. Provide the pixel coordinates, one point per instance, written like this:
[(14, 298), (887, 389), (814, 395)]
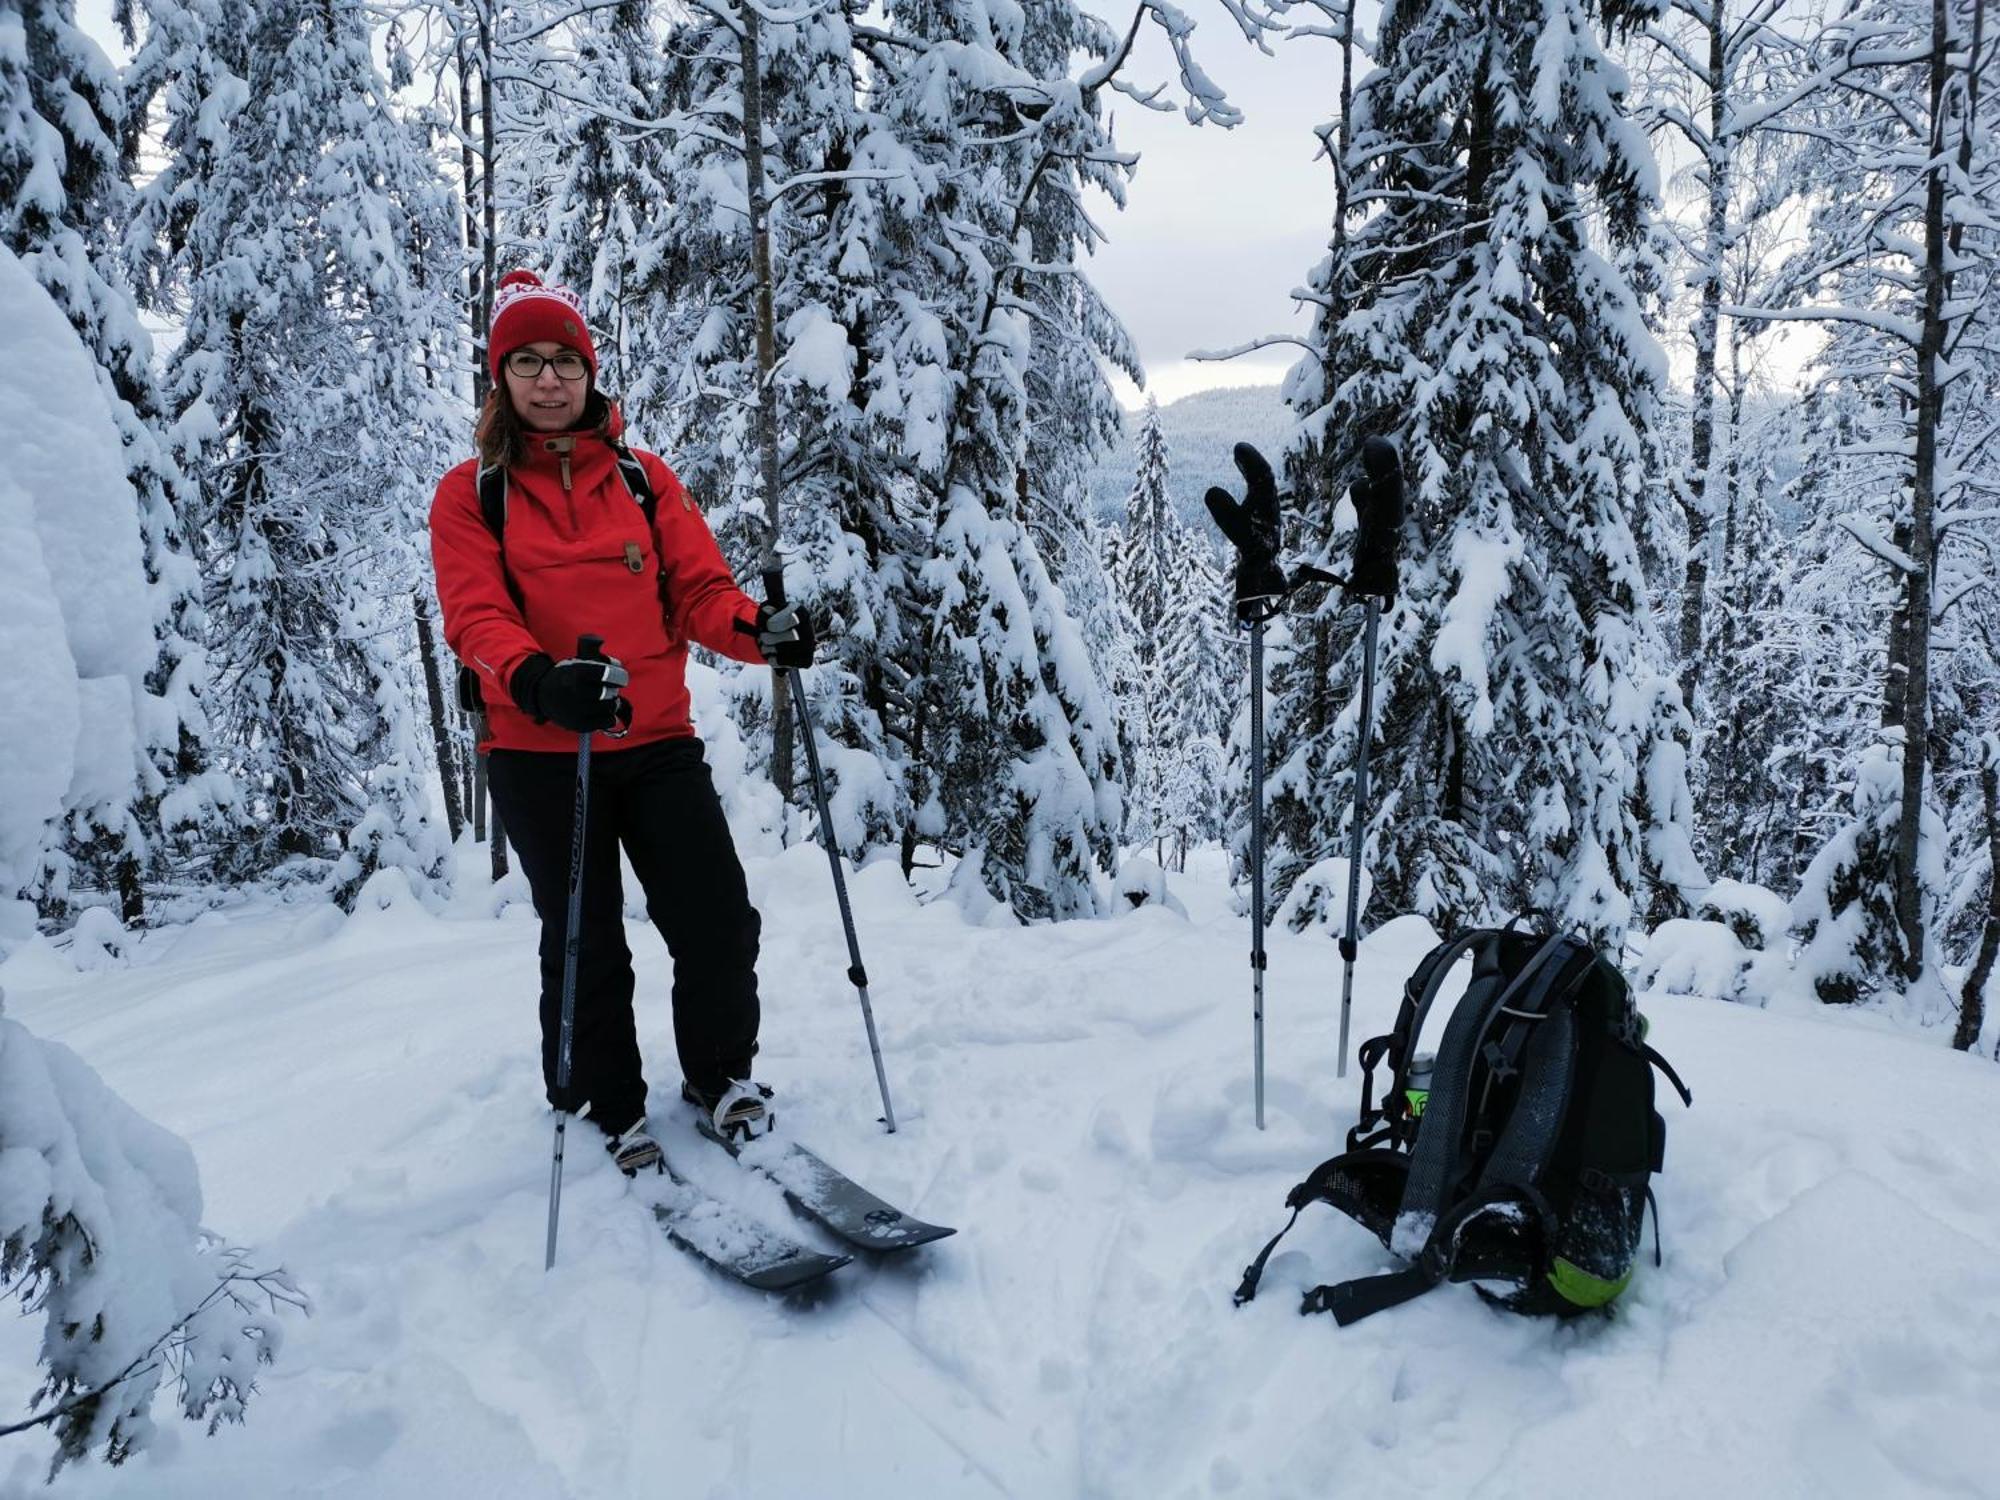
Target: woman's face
[(549, 398)]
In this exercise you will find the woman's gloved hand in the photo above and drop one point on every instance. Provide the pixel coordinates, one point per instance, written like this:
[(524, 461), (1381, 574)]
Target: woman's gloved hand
[(578, 694), (785, 636)]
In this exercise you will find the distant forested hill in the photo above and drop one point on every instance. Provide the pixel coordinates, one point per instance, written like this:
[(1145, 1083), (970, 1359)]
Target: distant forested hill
[(1201, 429)]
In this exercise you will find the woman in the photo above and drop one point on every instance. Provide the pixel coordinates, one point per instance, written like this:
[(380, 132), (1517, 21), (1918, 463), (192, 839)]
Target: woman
[(571, 554)]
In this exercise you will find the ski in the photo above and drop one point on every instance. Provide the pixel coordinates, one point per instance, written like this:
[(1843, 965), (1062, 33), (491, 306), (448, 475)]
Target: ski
[(733, 1242), (828, 1196)]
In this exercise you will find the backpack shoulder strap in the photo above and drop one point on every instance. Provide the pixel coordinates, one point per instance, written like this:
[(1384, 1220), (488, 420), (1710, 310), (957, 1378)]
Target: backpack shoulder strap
[(492, 485), (1438, 1161), (1400, 1044), (632, 469)]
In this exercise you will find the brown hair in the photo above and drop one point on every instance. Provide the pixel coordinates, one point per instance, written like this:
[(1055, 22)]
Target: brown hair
[(501, 438)]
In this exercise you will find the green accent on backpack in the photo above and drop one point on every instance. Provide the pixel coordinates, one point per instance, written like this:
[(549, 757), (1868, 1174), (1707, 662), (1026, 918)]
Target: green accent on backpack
[(1418, 1099), (1581, 1289)]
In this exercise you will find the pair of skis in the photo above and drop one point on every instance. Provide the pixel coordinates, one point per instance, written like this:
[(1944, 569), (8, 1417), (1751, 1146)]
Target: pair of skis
[(751, 1252)]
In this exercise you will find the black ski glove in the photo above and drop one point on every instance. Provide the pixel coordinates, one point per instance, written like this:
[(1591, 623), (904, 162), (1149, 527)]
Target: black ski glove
[(1252, 528), (581, 696), (784, 635)]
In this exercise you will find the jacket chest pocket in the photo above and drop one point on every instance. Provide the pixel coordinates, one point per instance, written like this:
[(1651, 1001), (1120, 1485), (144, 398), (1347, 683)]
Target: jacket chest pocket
[(593, 554)]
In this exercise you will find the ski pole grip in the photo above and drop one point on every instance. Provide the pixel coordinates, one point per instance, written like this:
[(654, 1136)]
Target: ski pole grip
[(774, 587), (590, 648)]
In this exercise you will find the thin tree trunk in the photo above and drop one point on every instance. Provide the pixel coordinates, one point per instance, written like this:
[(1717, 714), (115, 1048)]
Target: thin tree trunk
[(477, 775), (497, 846), (131, 889), (1923, 501), (447, 760), (1972, 1000), (488, 208), (767, 360), (1707, 333)]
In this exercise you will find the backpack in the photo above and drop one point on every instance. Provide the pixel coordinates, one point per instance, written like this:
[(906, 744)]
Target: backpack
[(1526, 1155), (492, 486)]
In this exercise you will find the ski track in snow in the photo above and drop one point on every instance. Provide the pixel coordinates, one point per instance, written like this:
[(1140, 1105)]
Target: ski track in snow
[(1077, 1099)]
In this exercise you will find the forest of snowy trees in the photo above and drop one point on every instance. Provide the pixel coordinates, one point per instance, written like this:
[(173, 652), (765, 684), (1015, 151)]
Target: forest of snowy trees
[(1681, 312)]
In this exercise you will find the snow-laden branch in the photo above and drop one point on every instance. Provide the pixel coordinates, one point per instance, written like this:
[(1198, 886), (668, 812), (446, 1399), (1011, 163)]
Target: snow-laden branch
[(813, 179), (1265, 341), (1865, 532), (1898, 328), (1963, 592)]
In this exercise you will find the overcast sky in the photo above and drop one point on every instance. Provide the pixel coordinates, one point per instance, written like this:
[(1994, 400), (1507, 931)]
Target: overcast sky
[(1221, 224)]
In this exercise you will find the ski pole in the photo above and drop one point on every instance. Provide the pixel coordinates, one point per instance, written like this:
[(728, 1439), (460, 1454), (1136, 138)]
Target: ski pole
[(1257, 855), (588, 648), (857, 974), (1349, 946), (1253, 527), (1378, 524)]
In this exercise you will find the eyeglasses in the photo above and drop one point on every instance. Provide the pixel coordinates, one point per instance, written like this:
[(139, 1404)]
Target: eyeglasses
[(525, 364)]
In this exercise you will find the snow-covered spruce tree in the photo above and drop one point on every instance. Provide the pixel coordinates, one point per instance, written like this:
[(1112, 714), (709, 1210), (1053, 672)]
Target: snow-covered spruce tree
[(1844, 904), (74, 613), (63, 132), (1018, 753), (292, 207), (1073, 418), (1111, 636), (1196, 667), (1151, 554), (101, 1238), (1745, 811), (1901, 243), (1172, 588), (1529, 739)]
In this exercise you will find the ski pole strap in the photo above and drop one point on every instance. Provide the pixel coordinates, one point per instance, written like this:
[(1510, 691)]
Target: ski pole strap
[(1254, 1272)]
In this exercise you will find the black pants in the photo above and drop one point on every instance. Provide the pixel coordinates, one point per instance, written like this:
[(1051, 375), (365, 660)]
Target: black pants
[(659, 803)]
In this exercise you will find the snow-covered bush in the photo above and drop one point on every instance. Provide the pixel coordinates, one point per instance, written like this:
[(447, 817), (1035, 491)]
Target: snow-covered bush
[(1759, 917), (1141, 882), (1318, 898), (100, 1236), (1684, 957)]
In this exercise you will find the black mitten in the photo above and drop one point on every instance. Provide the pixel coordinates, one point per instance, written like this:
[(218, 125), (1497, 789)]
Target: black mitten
[(1252, 528)]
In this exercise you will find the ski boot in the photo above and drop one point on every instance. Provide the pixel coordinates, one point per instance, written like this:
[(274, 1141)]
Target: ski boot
[(740, 1112), (632, 1150)]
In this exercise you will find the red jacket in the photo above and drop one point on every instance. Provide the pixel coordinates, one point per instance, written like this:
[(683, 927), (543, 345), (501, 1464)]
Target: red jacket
[(579, 552)]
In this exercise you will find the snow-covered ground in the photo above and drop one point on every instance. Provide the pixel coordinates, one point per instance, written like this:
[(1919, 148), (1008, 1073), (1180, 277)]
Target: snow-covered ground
[(361, 1096)]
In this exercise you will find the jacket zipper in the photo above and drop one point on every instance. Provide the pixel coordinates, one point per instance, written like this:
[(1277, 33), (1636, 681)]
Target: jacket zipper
[(561, 446)]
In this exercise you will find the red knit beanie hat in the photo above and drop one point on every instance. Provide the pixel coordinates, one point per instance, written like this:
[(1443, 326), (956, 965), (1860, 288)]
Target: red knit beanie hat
[(527, 312)]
